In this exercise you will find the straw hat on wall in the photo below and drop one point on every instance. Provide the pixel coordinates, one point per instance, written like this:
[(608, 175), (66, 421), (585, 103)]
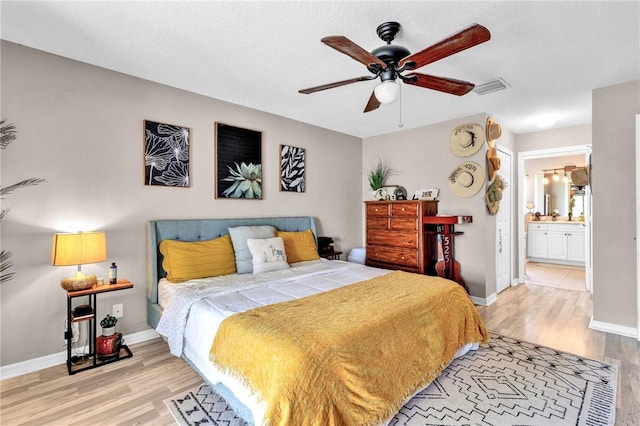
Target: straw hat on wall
[(467, 179), (466, 139)]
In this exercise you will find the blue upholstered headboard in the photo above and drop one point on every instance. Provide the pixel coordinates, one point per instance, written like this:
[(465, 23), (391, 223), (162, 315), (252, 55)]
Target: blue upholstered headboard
[(200, 230)]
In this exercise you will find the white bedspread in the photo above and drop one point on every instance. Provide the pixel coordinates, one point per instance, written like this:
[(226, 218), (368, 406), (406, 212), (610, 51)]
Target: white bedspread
[(229, 294)]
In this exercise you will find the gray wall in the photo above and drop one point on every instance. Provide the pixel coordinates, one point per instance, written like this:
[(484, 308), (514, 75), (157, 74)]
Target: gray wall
[(614, 194), (423, 159), (81, 128)]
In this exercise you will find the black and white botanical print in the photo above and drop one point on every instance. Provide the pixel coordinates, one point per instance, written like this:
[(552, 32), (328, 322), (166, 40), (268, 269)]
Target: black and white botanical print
[(292, 163), (239, 162), (166, 154)]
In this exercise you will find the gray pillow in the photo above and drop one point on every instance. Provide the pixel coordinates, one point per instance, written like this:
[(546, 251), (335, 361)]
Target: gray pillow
[(239, 236)]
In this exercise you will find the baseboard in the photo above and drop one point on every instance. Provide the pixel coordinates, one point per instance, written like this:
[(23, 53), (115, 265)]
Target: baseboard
[(29, 366), (484, 301), (620, 330)]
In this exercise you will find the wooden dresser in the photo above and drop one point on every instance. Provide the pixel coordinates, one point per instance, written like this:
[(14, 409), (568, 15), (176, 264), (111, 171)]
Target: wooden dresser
[(394, 234)]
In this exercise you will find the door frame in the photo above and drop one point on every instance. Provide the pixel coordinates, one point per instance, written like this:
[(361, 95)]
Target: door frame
[(638, 222), (512, 280), (546, 153)]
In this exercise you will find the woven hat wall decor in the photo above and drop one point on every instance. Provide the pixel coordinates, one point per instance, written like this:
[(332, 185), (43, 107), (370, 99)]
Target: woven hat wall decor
[(493, 195), (466, 139), (580, 176), (467, 179)]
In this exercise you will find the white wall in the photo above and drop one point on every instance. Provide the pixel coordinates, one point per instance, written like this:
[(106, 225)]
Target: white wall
[(614, 209), (81, 128)]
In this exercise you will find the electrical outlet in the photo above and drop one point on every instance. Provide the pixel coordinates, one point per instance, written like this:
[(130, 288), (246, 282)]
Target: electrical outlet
[(118, 310)]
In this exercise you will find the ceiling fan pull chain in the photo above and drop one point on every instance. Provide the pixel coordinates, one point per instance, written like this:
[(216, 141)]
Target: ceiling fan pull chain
[(400, 105)]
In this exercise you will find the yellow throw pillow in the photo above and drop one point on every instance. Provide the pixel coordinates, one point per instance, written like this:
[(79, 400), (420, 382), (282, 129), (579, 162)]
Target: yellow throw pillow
[(299, 246), (187, 260)]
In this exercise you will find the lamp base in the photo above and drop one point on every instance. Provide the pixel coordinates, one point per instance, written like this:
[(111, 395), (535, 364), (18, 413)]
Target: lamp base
[(79, 281)]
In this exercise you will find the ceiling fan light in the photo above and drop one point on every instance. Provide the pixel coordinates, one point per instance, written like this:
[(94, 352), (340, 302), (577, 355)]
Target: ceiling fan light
[(387, 91)]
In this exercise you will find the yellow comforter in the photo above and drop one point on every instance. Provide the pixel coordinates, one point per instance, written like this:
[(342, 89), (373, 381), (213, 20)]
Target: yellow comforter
[(350, 356)]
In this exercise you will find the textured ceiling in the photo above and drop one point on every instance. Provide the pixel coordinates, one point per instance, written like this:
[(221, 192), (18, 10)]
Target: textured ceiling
[(259, 54)]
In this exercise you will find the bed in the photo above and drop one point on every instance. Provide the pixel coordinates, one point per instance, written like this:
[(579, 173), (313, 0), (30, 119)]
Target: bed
[(329, 342)]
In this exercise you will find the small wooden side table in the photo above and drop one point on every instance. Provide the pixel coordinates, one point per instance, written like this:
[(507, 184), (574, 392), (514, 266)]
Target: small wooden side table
[(92, 293), (334, 255)]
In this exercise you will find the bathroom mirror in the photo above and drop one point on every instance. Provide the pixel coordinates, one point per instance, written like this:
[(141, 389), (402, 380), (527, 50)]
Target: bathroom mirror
[(552, 196)]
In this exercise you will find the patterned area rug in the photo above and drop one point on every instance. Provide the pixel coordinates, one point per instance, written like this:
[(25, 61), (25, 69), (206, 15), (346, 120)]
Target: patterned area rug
[(504, 382)]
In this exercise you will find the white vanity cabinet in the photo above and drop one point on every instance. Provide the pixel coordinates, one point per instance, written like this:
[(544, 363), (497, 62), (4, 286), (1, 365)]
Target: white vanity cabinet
[(537, 237), (554, 242)]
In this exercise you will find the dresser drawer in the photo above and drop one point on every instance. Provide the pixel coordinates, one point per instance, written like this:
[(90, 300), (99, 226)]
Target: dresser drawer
[(404, 209), (393, 239), (378, 222), (404, 223), (393, 256), (378, 209)]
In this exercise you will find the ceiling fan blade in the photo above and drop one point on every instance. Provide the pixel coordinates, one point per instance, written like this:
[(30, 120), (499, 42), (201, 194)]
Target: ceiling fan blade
[(336, 84), (442, 84), (373, 103), (349, 48), (468, 37)]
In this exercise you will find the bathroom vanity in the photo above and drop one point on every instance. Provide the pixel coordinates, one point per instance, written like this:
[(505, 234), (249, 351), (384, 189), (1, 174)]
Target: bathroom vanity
[(556, 242)]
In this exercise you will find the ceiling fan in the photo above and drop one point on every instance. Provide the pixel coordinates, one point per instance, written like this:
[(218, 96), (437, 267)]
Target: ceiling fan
[(390, 61)]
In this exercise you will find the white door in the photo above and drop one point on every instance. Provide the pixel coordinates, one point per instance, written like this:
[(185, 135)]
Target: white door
[(504, 247)]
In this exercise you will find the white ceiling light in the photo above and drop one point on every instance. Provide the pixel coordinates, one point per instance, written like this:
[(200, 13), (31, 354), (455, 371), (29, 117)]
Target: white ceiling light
[(387, 91), (544, 121)]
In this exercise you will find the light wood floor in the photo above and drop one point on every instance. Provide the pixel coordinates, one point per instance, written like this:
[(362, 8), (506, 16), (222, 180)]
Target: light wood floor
[(131, 392), (557, 276)]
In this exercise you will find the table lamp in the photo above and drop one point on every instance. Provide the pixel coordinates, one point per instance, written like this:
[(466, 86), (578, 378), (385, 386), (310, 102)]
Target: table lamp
[(78, 249)]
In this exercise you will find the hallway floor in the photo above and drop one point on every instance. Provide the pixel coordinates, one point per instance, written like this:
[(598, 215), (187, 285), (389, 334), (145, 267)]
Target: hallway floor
[(558, 276)]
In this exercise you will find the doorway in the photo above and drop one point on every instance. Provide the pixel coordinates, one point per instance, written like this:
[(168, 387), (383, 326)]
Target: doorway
[(524, 207), (504, 224)]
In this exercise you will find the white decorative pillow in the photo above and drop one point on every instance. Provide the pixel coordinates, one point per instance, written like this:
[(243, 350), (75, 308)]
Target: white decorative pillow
[(268, 254), (239, 237)]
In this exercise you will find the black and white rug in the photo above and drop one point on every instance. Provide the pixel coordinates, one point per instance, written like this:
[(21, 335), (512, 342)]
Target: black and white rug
[(504, 382)]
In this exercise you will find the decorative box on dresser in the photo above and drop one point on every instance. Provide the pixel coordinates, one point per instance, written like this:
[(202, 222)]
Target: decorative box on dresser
[(395, 239)]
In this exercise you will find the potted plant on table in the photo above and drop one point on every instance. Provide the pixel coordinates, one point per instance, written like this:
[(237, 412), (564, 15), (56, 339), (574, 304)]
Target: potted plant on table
[(108, 325)]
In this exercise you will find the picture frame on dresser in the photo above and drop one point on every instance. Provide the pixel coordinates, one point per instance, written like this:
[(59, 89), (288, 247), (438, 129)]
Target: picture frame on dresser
[(389, 192), (426, 194)]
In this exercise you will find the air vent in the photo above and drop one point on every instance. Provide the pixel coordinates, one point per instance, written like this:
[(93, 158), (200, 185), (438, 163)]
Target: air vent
[(492, 86)]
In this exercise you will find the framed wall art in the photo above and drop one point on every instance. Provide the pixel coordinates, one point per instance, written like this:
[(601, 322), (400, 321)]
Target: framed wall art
[(238, 162), (292, 166), (166, 154)]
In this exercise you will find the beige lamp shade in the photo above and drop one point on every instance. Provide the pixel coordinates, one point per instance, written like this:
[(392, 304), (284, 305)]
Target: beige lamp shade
[(78, 249)]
